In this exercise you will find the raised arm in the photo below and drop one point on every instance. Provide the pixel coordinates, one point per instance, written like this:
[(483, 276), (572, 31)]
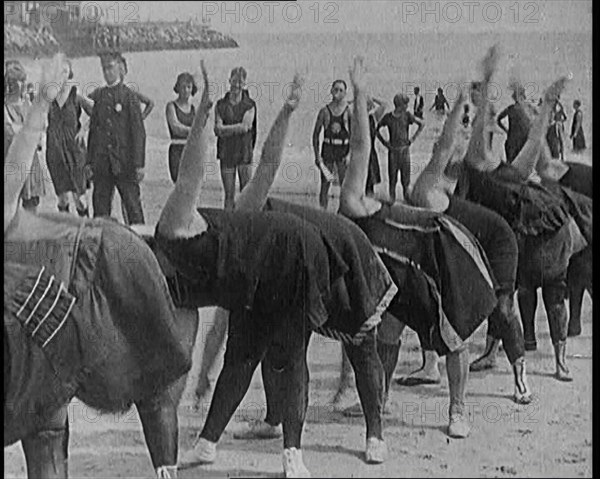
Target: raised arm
[(179, 217), (19, 157), (353, 201), (478, 154), (380, 110), (526, 160), (254, 194)]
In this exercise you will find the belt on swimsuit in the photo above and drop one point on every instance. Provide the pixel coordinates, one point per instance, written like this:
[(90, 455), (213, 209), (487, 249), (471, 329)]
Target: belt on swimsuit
[(177, 141), (335, 141)]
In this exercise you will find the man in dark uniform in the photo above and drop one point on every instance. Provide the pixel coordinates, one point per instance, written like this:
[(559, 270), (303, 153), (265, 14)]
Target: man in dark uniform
[(117, 142)]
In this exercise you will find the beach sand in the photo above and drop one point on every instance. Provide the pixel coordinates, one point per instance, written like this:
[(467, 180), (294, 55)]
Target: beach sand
[(550, 438)]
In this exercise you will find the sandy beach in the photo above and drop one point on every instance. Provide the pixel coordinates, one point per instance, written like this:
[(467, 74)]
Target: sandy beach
[(550, 438)]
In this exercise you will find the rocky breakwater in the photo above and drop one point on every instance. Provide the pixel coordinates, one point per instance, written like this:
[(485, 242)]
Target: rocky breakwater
[(86, 39), (24, 41)]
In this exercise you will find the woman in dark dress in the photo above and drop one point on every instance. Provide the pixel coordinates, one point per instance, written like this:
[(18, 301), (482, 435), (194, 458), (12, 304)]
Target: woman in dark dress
[(180, 116), (577, 128), (376, 110), (65, 147)]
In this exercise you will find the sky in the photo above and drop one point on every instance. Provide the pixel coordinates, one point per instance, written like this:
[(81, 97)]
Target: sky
[(310, 16)]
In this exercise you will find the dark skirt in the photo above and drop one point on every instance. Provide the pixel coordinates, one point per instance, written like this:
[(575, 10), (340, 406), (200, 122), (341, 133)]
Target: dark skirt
[(34, 388), (66, 162)]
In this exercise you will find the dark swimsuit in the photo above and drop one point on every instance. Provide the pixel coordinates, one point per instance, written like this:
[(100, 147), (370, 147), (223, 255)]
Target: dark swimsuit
[(445, 289), (496, 238), (105, 350), (285, 258)]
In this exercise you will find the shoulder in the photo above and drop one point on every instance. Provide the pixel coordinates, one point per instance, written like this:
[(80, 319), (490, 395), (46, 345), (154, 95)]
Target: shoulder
[(95, 95), (410, 117)]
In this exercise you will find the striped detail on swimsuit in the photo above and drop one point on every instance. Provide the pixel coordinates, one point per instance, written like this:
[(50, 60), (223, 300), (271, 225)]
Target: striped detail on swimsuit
[(471, 247), (449, 335), (43, 306)]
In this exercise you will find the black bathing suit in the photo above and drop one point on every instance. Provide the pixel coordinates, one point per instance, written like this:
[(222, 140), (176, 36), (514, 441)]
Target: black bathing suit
[(176, 149), (285, 258), (445, 290), (496, 238), (579, 178)]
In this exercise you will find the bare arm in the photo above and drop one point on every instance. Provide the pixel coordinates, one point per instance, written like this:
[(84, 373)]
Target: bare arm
[(383, 141), (177, 127), (526, 160), (237, 129), (316, 134), (86, 104), (380, 110), (353, 202), (254, 195), (179, 218), (149, 104)]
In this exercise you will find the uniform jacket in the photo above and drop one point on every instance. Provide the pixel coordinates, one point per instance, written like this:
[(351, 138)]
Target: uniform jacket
[(117, 139)]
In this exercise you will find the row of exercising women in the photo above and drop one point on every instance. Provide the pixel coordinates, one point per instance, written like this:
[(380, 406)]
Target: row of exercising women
[(214, 252)]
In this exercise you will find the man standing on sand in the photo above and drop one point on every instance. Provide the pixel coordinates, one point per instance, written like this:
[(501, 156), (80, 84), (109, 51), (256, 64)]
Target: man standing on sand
[(398, 123), (235, 127), (334, 118), (419, 104), (117, 142)]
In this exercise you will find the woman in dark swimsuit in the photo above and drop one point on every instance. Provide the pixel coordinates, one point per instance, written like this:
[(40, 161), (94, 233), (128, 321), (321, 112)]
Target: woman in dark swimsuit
[(279, 276), (548, 221), (434, 189), (518, 125), (417, 245), (180, 116)]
